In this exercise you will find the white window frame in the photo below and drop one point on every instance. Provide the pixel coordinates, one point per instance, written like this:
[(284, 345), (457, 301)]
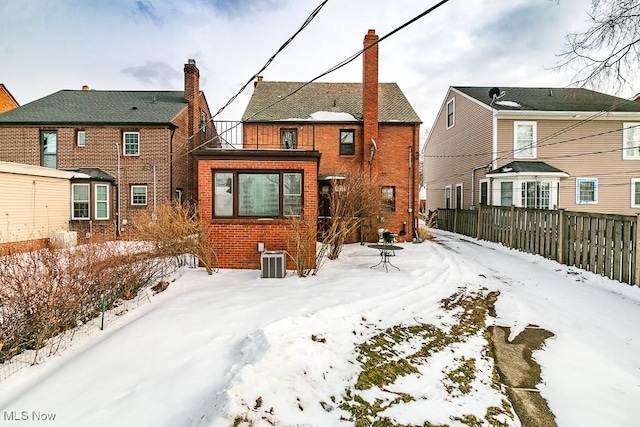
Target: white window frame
[(517, 151), (124, 144), (81, 142), (447, 195), (595, 191), (146, 195), (88, 202), (460, 186), (513, 193), (634, 182), (451, 102), (627, 154), (96, 201)]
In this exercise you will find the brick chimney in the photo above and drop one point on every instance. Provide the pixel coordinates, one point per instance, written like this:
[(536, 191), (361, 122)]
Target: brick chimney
[(370, 92), (191, 92)]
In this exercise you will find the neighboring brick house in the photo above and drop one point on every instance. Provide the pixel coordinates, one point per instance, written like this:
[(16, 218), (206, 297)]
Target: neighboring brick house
[(7, 101), (365, 127), (568, 148), (134, 147)]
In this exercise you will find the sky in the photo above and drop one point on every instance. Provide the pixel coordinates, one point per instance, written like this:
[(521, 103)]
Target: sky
[(211, 350), (46, 46)]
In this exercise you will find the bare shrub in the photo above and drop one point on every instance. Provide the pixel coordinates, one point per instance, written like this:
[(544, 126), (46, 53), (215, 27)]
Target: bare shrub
[(427, 222), (48, 291), (302, 244), (354, 203), (175, 230)]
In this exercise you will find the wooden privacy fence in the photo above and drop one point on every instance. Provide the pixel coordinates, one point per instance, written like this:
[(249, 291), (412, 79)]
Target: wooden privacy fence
[(600, 243)]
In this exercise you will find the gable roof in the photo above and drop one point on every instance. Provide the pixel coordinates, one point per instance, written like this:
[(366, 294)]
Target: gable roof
[(99, 107), (550, 99), (320, 97), (7, 101), (526, 168)]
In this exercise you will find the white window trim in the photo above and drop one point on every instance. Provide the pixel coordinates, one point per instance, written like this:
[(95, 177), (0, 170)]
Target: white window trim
[(95, 202), (452, 101), (516, 149), (595, 195), (480, 191), (447, 189), (84, 141), (88, 202), (626, 156), (634, 181), (124, 145), (459, 185), (146, 192)]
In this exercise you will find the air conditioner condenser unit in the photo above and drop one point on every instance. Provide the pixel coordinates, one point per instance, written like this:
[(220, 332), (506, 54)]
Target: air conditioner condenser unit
[(273, 265)]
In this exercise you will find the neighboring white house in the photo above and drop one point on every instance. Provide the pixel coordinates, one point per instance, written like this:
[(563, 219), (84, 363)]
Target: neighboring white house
[(34, 202)]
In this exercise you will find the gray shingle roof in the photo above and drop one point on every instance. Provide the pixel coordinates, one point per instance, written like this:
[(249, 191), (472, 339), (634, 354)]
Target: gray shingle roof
[(99, 107), (526, 167), (550, 99), (332, 97)]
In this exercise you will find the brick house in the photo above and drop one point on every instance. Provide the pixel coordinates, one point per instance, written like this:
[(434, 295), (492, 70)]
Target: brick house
[(568, 148), (7, 101), (336, 128), (133, 148)]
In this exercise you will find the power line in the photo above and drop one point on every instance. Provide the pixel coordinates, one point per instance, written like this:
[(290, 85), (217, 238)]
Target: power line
[(334, 68)]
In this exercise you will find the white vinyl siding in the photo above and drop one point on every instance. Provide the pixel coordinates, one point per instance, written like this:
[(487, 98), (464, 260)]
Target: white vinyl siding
[(524, 140)]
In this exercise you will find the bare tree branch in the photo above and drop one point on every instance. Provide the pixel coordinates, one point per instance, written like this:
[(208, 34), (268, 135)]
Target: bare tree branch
[(607, 54)]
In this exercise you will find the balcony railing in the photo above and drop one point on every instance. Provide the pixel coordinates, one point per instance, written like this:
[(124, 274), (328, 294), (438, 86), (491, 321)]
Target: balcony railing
[(258, 136)]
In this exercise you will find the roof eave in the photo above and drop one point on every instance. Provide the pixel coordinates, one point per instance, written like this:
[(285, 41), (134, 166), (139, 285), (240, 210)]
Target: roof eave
[(567, 115)]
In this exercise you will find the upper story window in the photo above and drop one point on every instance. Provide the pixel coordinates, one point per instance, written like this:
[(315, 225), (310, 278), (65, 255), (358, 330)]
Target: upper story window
[(586, 190), (81, 138), (524, 140), (131, 143), (257, 194), (451, 119), (80, 201), (139, 195), (347, 139), (203, 121), (631, 140), (389, 197), (289, 139), (49, 148)]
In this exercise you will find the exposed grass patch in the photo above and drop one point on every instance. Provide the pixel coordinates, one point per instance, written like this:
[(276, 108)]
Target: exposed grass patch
[(401, 350)]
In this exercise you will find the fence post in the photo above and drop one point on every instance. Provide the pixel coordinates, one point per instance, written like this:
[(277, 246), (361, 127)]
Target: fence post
[(637, 260), (512, 223), (478, 225), (561, 233), (455, 221)]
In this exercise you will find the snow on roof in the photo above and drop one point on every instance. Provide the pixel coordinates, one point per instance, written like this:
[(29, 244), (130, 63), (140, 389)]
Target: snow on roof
[(332, 116), (509, 104)]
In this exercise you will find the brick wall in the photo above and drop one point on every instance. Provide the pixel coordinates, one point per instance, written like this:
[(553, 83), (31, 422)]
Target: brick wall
[(235, 240)]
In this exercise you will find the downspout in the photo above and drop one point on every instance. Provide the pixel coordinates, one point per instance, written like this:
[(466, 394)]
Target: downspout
[(494, 139), (171, 190), (118, 191), (473, 182)]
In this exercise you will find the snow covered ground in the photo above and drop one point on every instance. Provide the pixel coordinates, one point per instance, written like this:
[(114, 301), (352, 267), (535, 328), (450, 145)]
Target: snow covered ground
[(214, 350)]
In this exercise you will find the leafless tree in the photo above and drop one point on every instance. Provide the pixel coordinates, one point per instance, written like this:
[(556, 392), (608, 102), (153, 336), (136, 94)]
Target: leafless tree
[(608, 52)]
